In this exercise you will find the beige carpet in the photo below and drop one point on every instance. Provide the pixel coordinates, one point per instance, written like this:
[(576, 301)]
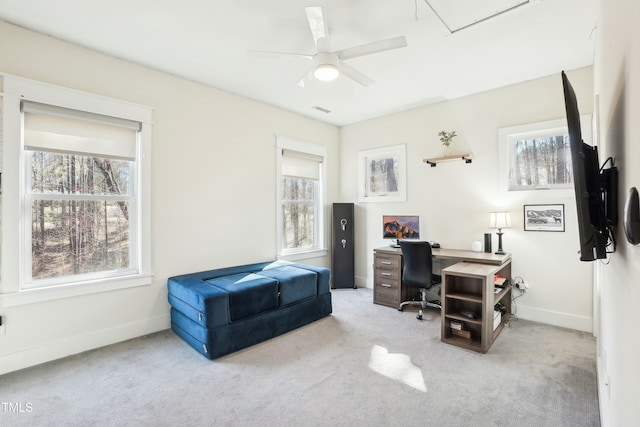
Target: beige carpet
[(366, 365)]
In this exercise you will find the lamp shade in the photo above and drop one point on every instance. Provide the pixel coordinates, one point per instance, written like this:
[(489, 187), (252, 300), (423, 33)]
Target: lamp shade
[(500, 220)]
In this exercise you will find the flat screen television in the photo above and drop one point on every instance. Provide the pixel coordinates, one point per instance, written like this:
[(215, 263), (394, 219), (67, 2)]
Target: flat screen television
[(595, 187), (400, 227)]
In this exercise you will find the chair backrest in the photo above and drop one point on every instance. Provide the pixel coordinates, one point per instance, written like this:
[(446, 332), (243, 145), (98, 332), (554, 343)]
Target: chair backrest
[(417, 270)]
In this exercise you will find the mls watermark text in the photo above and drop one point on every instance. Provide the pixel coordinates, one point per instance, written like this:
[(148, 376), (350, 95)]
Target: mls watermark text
[(16, 407)]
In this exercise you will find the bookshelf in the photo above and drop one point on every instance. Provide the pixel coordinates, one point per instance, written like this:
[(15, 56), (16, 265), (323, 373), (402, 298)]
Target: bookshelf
[(468, 286)]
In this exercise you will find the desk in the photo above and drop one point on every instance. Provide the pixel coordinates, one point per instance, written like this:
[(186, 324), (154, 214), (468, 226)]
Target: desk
[(455, 255), (468, 284), (387, 272)]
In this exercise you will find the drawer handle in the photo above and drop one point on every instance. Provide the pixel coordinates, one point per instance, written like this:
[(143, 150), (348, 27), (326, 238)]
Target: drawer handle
[(386, 274), (385, 262), (384, 285)]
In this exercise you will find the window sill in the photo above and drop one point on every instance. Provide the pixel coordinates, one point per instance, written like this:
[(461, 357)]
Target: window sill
[(551, 193), (297, 256), (31, 296)]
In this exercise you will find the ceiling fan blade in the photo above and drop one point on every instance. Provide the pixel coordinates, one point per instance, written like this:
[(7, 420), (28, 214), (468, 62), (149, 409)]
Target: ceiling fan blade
[(316, 23), (266, 53), (355, 75), (370, 48), (304, 81)]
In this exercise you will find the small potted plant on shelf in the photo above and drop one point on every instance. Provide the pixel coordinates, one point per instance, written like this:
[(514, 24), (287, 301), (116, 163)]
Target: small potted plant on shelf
[(447, 137)]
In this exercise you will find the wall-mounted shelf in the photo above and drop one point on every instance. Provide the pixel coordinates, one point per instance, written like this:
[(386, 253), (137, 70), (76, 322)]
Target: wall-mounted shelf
[(435, 160)]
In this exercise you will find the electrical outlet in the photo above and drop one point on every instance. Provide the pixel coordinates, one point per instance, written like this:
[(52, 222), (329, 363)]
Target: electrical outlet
[(519, 283)]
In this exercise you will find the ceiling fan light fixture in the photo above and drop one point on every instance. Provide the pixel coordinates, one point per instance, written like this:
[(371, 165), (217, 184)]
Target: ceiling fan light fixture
[(326, 72)]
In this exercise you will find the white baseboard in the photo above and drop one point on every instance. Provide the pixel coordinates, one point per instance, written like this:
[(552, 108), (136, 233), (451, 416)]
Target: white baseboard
[(564, 320), (364, 282), (80, 343), (603, 392)]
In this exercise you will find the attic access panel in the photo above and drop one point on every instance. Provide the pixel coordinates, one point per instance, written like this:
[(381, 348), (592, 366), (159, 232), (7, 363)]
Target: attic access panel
[(459, 14)]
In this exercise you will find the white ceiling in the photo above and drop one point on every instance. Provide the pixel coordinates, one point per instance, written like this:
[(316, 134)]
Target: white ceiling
[(207, 41)]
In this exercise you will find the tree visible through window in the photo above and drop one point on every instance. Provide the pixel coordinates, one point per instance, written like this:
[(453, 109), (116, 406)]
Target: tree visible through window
[(298, 212), (80, 214), (542, 162)]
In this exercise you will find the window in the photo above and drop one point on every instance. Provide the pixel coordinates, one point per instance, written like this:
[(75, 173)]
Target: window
[(79, 194), (299, 201), (538, 156), (76, 168), (541, 162), (301, 184)]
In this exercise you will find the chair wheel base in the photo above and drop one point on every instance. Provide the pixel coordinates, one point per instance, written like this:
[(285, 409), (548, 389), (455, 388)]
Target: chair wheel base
[(400, 308), (419, 316)]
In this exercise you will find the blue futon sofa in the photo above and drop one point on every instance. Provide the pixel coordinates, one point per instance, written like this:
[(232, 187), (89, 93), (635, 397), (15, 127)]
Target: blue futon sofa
[(220, 311)]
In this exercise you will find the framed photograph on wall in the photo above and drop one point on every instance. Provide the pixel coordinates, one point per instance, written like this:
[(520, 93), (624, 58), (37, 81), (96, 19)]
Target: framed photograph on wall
[(382, 174), (544, 217)]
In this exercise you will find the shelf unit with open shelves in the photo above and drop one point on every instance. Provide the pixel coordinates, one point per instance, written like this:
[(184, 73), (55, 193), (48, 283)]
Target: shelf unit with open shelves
[(469, 287)]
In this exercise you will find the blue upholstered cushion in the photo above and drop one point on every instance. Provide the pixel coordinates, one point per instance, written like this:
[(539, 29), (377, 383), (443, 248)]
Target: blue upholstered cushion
[(322, 272), (249, 293), (215, 342), (205, 303), (296, 284)]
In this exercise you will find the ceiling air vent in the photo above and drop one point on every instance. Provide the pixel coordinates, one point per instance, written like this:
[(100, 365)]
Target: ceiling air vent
[(324, 110)]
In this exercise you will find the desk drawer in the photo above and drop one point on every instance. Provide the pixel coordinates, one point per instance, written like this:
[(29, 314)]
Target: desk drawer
[(391, 277), (386, 296), (387, 262)]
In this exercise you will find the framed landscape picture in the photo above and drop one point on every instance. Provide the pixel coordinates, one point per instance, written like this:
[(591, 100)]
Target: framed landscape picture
[(382, 174), (544, 217)]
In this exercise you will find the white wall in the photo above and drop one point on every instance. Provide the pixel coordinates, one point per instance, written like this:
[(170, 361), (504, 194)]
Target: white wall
[(617, 83), (454, 199), (213, 191)]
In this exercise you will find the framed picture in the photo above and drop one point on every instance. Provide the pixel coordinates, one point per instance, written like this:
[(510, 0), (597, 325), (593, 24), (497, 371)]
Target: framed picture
[(544, 217), (382, 174)]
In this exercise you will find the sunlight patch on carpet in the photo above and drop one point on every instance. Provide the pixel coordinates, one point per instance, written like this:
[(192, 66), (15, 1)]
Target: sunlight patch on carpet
[(396, 366)]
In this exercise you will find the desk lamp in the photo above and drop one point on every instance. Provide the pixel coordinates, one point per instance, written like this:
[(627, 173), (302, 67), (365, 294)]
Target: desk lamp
[(500, 220)]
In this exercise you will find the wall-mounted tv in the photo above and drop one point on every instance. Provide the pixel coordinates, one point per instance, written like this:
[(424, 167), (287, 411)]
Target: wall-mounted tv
[(596, 188), (401, 226)]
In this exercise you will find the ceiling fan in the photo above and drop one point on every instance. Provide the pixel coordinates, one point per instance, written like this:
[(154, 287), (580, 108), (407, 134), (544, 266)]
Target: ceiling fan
[(327, 64)]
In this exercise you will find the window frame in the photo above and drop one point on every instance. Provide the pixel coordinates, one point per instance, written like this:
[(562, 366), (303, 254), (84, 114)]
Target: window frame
[(507, 138), (14, 195), (320, 249)]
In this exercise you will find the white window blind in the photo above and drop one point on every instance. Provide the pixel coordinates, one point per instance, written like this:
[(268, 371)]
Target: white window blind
[(301, 165), (63, 130)]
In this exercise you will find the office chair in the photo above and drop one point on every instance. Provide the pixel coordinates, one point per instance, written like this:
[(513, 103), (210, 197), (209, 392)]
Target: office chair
[(417, 273)]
